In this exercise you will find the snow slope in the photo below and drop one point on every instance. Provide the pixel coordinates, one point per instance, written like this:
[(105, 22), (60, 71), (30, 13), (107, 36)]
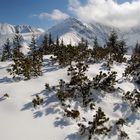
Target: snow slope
[(6, 29), (72, 30), (19, 121), (26, 31)]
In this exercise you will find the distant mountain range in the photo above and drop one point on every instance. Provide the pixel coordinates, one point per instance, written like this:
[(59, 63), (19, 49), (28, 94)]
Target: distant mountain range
[(6, 29), (71, 30)]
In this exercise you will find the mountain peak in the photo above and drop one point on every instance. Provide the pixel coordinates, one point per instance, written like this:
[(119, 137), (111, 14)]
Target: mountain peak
[(6, 28), (72, 29)]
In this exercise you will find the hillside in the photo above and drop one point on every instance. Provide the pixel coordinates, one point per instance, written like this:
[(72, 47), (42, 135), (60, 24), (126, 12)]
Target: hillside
[(56, 91), (20, 120)]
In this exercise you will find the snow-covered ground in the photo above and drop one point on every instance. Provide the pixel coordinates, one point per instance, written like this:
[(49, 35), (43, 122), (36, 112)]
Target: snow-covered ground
[(19, 121)]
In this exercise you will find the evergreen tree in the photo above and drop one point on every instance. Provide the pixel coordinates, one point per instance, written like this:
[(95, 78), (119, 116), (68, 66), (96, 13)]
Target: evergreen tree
[(45, 45), (83, 52), (117, 48), (133, 68), (119, 125), (112, 44), (136, 50), (33, 45), (64, 54), (105, 81), (36, 57), (50, 40), (16, 43), (98, 53), (133, 99), (80, 83), (77, 74), (121, 51), (96, 127), (37, 101), (7, 52), (57, 41), (96, 44), (26, 66), (17, 57)]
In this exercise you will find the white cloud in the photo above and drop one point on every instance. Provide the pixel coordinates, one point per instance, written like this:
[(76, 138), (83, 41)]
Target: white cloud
[(55, 15), (108, 12), (73, 4)]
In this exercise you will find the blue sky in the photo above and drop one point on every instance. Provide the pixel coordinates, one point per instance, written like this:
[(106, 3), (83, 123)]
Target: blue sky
[(29, 11), (21, 11)]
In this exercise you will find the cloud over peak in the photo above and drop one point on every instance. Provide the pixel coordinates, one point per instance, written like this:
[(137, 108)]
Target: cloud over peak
[(55, 15), (108, 12)]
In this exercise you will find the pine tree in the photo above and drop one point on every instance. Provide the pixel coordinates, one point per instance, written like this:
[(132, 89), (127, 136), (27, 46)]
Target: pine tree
[(83, 52), (136, 50), (112, 43), (16, 43), (33, 45), (133, 99), (27, 67), (17, 57), (50, 40), (133, 68), (78, 74), (52, 45), (104, 81), (99, 53), (36, 57), (117, 48), (119, 125), (17, 54), (37, 101), (80, 83), (7, 52), (121, 51), (57, 41), (96, 127), (45, 45), (96, 44)]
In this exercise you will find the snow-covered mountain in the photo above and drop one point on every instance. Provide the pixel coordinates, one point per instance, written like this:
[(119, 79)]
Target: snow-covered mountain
[(72, 30), (26, 31), (6, 29)]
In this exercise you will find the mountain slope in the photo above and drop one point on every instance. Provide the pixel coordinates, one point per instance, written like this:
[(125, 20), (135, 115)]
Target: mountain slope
[(6, 29), (20, 121), (72, 30), (26, 31)]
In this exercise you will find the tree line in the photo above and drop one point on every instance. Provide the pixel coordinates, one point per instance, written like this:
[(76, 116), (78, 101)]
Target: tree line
[(29, 65)]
